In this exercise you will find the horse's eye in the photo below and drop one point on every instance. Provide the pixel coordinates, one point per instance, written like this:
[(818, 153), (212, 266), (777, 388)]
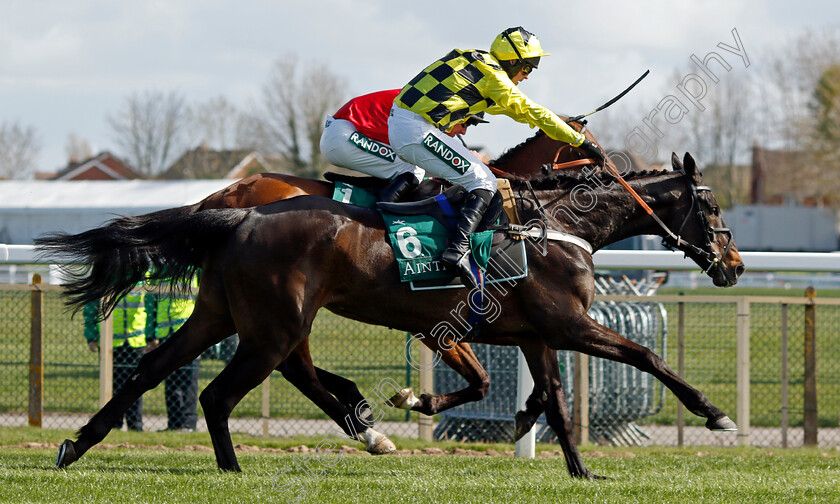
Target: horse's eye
[(716, 211)]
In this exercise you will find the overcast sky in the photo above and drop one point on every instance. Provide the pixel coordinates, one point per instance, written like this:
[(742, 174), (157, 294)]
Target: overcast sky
[(66, 65)]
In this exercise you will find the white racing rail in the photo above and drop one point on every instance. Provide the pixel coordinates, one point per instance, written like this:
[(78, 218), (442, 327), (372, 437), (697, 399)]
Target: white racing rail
[(606, 259)]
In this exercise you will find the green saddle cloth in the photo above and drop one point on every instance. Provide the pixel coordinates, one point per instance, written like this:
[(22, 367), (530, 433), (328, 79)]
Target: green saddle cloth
[(353, 195), (418, 240)]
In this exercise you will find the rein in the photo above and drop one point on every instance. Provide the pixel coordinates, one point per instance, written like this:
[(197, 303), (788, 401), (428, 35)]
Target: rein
[(569, 164), (671, 240), (544, 232), (710, 231)]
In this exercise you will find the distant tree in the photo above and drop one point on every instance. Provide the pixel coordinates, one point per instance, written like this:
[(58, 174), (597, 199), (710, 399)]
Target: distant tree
[(77, 149), (825, 133), (721, 135), (825, 106), (217, 124), (790, 75), (19, 148), (800, 106), (289, 119), (149, 130)]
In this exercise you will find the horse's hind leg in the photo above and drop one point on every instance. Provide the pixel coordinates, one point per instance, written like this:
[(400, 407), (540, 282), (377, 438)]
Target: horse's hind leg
[(459, 357), (298, 369), (176, 351), (599, 341), (250, 365), (524, 420), (346, 391)]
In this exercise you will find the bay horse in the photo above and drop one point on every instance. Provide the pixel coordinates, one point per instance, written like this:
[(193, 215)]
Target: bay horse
[(526, 160), (267, 270)]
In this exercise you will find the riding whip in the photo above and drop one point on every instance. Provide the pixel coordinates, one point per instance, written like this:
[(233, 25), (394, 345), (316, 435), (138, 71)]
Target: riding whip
[(602, 107)]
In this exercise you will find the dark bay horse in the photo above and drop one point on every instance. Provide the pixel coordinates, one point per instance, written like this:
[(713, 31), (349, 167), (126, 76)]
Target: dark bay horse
[(525, 160), (267, 270)]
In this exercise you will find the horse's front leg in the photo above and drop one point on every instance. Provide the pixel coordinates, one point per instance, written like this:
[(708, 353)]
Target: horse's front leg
[(525, 419), (596, 340), (542, 362), (460, 357)]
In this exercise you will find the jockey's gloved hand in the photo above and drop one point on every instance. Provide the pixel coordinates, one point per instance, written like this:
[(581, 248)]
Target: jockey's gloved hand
[(593, 150)]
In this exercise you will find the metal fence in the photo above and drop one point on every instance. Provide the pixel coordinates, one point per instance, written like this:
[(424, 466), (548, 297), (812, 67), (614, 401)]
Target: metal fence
[(72, 389), (749, 355), (619, 395)]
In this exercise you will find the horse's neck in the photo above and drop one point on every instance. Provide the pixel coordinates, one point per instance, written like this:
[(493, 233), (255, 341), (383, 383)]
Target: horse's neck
[(605, 214)]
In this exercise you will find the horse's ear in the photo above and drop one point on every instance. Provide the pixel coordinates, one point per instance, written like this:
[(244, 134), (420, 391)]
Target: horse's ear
[(676, 163), (691, 168)]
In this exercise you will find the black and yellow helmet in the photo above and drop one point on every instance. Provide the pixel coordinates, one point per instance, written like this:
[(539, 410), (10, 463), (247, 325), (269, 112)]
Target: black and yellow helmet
[(516, 47)]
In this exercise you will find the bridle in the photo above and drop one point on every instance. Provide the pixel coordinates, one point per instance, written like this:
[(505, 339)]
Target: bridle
[(671, 240), (674, 240)]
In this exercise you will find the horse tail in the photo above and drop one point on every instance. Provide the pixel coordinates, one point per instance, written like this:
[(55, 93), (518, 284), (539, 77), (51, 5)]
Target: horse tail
[(167, 246)]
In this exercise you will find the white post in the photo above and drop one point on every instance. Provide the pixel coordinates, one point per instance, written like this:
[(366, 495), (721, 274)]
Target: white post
[(525, 447), (425, 427), (743, 372), (581, 395)]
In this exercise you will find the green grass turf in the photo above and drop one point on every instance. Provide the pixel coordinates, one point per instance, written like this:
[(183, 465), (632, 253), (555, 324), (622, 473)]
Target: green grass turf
[(643, 475)]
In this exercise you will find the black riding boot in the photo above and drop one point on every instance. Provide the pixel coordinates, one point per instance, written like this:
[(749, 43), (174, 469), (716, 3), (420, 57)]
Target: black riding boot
[(458, 252), (398, 188)]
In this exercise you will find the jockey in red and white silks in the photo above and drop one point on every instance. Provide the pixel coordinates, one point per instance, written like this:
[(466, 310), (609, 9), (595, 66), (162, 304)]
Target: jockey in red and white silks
[(356, 137)]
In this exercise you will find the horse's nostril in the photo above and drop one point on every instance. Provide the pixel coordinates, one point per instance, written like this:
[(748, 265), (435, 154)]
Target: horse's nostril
[(740, 269)]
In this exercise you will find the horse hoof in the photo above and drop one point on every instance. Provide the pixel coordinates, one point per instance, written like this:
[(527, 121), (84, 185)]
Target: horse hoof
[(589, 475), (404, 399), (723, 423), (66, 454), (377, 443), (383, 447), (524, 423)]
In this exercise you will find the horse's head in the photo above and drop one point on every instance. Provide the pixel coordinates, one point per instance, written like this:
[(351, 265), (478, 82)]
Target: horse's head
[(707, 240)]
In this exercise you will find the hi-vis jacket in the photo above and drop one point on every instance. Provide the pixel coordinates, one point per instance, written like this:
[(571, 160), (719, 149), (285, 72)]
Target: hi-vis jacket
[(129, 321), (167, 313), (464, 83)]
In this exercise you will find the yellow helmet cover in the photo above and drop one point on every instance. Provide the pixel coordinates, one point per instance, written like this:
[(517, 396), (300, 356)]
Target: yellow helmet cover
[(516, 44)]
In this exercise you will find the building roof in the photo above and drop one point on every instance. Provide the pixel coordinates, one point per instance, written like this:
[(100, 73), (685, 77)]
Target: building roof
[(784, 176), (103, 166), (30, 208), (102, 194), (626, 161), (205, 163)]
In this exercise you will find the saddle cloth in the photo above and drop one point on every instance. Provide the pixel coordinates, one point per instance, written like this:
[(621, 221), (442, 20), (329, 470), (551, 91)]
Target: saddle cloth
[(419, 232)]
